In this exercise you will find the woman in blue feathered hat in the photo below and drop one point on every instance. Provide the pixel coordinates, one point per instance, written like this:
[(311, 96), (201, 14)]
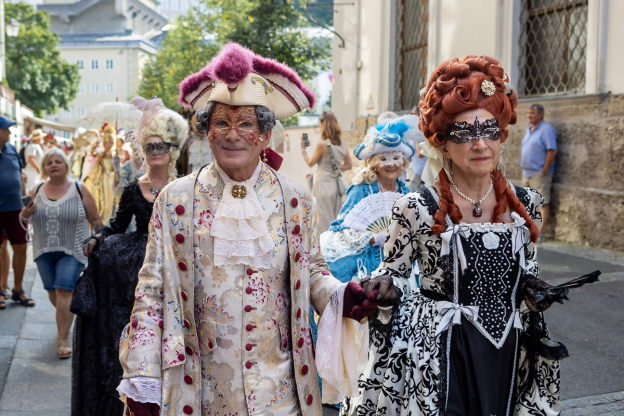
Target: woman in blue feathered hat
[(354, 243)]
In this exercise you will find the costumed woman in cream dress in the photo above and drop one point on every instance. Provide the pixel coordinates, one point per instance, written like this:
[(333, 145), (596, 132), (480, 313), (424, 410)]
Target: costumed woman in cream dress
[(100, 179), (115, 260), (326, 189), (472, 341)]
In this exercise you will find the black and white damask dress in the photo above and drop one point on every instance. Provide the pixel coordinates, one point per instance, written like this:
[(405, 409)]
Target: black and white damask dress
[(459, 346)]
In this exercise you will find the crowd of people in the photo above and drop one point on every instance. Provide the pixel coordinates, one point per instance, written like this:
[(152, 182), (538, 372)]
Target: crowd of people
[(205, 282)]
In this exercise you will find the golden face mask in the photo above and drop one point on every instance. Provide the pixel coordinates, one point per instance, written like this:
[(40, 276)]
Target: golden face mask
[(226, 118)]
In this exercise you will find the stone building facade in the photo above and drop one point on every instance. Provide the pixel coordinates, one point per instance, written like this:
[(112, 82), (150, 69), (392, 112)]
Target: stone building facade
[(563, 54)]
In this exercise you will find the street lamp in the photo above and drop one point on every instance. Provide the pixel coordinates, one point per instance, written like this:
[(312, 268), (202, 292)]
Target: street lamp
[(12, 28)]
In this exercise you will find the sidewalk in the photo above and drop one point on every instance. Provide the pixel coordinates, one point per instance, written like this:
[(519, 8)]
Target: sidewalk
[(37, 383)]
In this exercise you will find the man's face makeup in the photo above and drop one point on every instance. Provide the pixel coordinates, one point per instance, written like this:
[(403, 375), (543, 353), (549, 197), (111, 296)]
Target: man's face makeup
[(463, 132), (226, 118)]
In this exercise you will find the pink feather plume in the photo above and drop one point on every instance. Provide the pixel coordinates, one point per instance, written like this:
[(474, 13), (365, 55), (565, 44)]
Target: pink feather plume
[(233, 64)]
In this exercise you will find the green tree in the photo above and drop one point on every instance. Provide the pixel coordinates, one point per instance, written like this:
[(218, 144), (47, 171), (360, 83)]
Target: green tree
[(41, 79), (271, 28), (184, 51)]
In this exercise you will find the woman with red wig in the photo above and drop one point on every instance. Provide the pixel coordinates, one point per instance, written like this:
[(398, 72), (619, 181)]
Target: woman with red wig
[(472, 340)]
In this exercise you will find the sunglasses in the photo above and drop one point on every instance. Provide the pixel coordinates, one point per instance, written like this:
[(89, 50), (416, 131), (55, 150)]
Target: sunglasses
[(157, 148)]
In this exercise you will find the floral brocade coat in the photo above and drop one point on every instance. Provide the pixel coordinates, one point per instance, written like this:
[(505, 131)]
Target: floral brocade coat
[(167, 337)]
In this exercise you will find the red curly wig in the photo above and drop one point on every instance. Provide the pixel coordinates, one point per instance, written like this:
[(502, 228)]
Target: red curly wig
[(455, 87)]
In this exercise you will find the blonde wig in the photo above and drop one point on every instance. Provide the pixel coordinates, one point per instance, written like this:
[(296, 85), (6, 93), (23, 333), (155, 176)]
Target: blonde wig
[(157, 120), (368, 174)]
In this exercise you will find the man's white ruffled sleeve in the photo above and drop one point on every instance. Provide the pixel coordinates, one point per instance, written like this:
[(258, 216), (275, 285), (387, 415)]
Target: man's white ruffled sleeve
[(340, 367), (141, 389)]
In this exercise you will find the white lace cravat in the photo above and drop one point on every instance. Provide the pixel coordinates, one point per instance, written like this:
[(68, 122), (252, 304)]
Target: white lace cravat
[(239, 228)]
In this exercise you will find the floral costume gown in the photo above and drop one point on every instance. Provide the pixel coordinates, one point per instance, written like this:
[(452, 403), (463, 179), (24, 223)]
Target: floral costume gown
[(458, 346)]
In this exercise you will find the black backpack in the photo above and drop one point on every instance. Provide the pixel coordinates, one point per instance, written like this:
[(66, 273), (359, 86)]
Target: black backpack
[(22, 154)]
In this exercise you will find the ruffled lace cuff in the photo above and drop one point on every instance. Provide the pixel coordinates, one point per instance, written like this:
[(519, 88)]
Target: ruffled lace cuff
[(340, 367), (141, 389)]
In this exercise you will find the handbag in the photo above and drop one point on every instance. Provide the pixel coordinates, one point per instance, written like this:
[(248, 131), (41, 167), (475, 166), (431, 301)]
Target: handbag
[(342, 183), (84, 302)]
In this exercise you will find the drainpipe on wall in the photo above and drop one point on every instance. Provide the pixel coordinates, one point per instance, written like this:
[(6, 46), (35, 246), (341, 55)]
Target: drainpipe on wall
[(358, 65)]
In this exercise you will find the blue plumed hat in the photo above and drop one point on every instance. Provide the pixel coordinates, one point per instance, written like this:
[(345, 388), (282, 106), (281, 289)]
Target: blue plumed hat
[(389, 136)]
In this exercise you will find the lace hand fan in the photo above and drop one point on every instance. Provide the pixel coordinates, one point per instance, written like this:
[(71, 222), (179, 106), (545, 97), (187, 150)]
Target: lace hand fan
[(372, 214)]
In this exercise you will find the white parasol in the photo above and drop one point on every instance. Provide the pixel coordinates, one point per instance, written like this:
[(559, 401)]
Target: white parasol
[(113, 113)]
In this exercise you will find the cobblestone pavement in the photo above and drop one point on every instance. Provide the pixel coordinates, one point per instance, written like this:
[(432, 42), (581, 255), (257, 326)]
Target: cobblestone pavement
[(611, 404)]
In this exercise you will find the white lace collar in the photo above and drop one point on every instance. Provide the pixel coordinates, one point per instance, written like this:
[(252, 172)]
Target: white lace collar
[(239, 228)]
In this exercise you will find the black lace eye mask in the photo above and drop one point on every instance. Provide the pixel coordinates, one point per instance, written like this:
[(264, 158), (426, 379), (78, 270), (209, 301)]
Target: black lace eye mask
[(463, 132)]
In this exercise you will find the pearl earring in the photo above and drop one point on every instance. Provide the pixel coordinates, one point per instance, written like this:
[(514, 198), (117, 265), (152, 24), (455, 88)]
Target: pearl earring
[(261, 138)]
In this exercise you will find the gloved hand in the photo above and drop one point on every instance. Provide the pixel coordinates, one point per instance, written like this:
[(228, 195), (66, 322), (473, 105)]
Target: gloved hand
[(386, 293), (356, 306), (379, 239), (142, 409), (531, 285), (116, 163)]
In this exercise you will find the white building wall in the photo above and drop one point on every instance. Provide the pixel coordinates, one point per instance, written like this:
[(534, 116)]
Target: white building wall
[(457, 28)]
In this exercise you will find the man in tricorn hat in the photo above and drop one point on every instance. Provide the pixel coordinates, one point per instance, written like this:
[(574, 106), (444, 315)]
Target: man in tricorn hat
[(221, 319)]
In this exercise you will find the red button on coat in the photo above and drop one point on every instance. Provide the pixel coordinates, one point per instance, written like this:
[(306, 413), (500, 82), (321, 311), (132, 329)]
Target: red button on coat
[(300, 342), (248, 365), (298, 284), (298, 312), (296, 230), (250, 272), (248, 347), (189, 350), (187, 323), (247, 308), (181, 357), (326, 273), (161, 324), (294, 202), (309, 399), (210, 345), (183, 294), (250, 327), (135, 322), (179, 210), (249, 290), (188, 379), (182, 266), (304, 370), (297, 257), (285, 344), (179, 238), (187, 410)]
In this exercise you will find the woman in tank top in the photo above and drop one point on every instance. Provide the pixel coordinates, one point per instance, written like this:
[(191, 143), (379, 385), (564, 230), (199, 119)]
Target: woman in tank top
[(60, 212)]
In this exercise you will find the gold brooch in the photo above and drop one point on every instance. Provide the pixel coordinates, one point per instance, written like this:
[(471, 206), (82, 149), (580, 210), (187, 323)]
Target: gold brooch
[(239, 191), (488, 88)]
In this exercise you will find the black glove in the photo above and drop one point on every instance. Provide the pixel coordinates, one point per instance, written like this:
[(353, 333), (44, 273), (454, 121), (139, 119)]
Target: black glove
[(387, 293), (548, 294)]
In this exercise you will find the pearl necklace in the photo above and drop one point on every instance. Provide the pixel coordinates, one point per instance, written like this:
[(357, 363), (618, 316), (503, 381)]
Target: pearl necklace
[(382, 189), (476, 212), (154, 190)]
